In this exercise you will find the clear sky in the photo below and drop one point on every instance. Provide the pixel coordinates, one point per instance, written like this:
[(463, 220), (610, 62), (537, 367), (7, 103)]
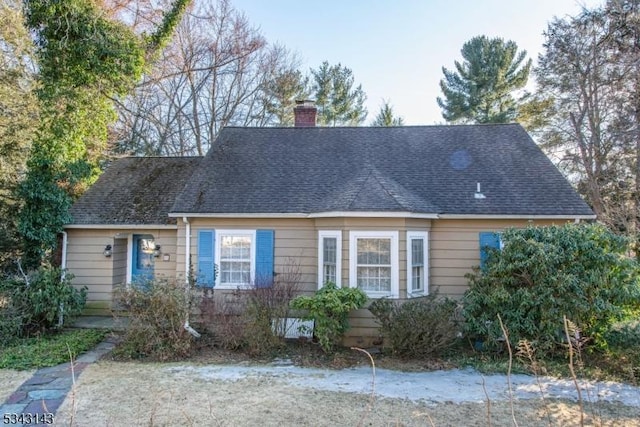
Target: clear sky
[(397, 48)]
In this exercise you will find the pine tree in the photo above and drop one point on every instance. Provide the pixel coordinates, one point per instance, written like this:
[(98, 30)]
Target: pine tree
[(481, 90), (386, 117), (338, 102)]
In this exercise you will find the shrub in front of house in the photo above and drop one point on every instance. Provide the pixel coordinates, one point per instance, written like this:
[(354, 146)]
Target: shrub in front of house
[(156, 310), (250, 318), (38, 302), (421, 327), (247, 319), (544, 273), (329, 309)]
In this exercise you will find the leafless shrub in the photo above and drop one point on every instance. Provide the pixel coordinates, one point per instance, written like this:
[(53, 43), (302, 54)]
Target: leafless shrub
[(249, 317), (156, 311), (421, 327)]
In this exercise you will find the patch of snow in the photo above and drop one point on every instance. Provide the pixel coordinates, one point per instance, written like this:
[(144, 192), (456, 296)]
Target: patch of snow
[(456, 386)]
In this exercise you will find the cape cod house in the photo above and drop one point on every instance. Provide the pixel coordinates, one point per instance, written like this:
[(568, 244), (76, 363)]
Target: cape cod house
[(395, 211)]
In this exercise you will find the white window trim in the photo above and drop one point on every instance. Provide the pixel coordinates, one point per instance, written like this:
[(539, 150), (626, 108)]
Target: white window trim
[(411, 235), (353, 260), (337, 234), (218, 251), (129, 273)]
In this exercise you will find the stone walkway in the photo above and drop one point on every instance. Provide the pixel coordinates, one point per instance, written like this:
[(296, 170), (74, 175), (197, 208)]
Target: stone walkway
[(37, 400)]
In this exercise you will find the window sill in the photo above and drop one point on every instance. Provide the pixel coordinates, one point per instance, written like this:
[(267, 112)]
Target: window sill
[(378, 295), (417, 294)]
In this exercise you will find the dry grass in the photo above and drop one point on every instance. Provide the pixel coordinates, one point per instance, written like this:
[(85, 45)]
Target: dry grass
[(10, 380), (132, 394)]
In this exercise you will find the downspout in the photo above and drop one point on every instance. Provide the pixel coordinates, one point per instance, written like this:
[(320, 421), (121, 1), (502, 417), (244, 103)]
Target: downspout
[(63, 261), (187, 275), (63, 274)]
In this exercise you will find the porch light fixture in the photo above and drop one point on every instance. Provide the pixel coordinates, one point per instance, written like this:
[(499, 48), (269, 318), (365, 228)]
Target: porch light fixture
[(156, 251), (107, 251)]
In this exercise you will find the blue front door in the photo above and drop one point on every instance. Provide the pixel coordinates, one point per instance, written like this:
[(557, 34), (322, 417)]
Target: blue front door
[(143, 259)]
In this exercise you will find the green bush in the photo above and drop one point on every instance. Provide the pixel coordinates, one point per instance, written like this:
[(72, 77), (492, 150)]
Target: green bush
[(624, 335), (38, 302), (156, 311), (329, 309), (544, 273), (419, 327)]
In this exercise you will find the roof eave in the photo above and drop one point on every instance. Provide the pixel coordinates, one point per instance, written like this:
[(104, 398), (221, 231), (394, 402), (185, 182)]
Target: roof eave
[(517, 216), (237, 215), (122, 226), (373, 214), (327, 214)]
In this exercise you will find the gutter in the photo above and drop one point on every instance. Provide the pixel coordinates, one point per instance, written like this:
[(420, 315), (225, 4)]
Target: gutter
[(187, 275)]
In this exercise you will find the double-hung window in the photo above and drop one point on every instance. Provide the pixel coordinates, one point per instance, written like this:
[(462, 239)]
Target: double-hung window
[(235, 255), (417, 263), (231, 259), (329, 257), (373, 262)]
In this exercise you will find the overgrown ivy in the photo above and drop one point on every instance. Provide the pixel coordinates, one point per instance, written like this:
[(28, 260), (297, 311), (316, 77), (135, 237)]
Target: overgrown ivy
[(85, 60)]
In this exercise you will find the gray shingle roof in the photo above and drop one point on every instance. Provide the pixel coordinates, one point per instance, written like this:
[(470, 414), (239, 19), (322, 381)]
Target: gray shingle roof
[(421, 169), (135, 190)]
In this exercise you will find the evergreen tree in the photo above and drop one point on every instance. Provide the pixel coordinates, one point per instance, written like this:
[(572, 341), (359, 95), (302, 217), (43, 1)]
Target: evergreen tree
[(338, 102), (18, 119), (281, 94), (386, 117), (481, 88)]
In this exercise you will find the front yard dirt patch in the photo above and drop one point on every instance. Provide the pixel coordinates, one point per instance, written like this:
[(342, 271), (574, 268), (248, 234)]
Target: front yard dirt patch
[(119, 393)]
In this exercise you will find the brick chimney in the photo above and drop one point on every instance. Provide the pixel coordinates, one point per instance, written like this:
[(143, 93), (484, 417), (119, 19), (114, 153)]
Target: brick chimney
[(305, 113)]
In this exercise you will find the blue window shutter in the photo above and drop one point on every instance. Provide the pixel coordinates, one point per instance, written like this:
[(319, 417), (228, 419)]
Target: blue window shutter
[(488, 239), (206, 267), (264, 258)]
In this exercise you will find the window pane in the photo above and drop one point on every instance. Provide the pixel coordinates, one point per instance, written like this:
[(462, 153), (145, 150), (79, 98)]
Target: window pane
[(417, 278), (329, 250), (329, 274), (235, 259), (374, 264), (374, 251), (329, 259), (417, 252), (375, 279), (417, 265)]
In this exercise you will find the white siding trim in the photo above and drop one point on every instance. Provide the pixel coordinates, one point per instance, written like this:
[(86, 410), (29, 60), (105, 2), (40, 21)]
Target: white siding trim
[(239, 215), (124, 226), (337, 234), (129, 258), (476, 216), (373, 214)]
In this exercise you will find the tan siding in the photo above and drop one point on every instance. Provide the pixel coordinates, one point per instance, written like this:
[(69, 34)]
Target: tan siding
[(90, 268), (85, 260), (295, 243), (455, 250)]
